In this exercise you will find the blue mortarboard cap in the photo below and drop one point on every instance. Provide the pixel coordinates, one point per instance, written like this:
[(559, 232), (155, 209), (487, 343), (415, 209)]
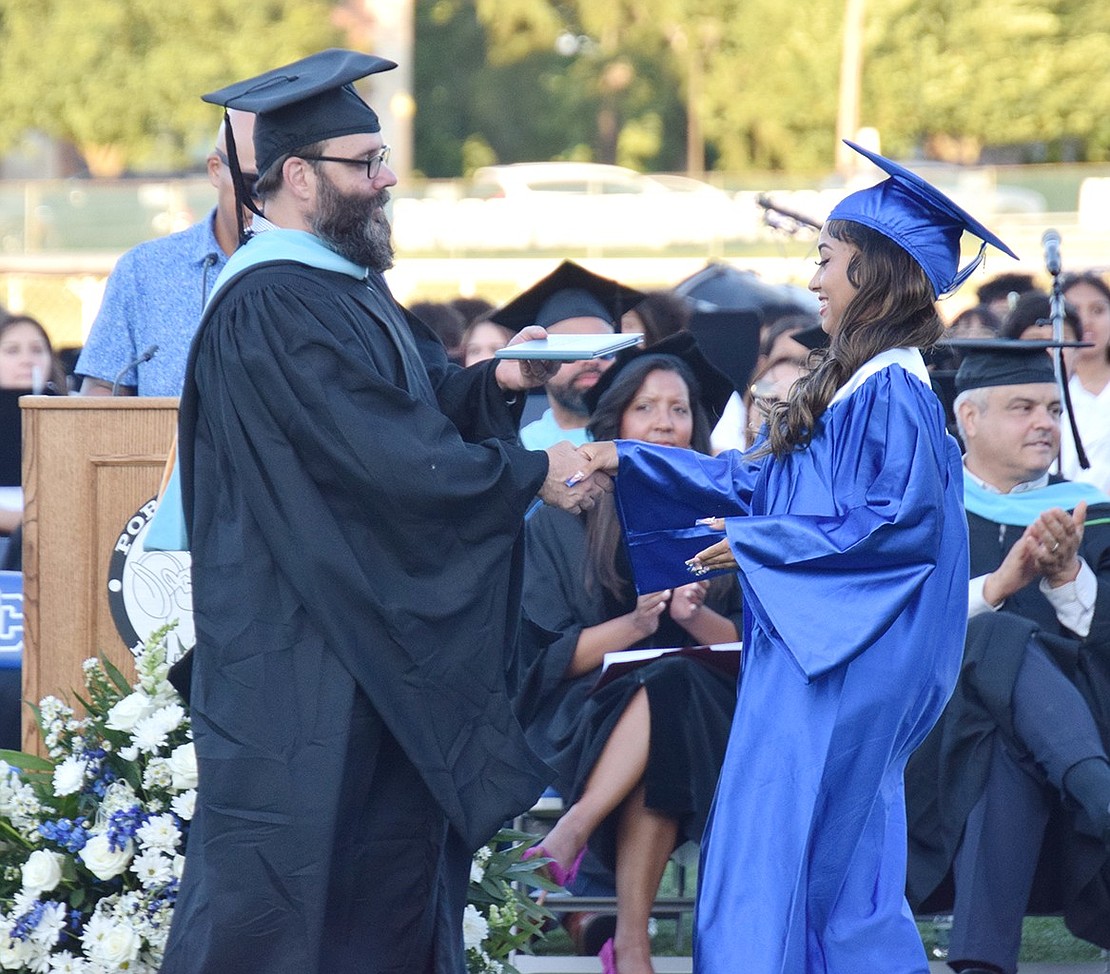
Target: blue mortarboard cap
[(305, 102), (920, 219), (569, 291)]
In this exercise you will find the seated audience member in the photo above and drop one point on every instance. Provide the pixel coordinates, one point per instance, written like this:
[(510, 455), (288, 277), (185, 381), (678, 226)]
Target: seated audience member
[(782, 359), (637, 760), (659, 315), (156, 293), (446, 321), (1089, 385), (1008, 799), (1031, 319), (27, 367), (481, 339), (975, 322), (569, 301), (472, 309), (27, 359), (1002, 291)]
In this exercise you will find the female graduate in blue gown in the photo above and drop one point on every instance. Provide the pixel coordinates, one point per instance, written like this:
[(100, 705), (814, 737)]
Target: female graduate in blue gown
[(845, 524)]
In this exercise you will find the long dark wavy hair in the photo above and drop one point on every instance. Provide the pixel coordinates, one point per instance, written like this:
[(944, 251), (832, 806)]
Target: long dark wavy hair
[(893, 307), (603, 530)]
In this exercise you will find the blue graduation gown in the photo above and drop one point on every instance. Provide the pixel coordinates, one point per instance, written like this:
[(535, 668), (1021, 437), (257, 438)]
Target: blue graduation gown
[(853, 563)]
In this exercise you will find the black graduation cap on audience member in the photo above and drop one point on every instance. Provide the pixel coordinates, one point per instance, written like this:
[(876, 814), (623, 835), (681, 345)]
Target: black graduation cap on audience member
[(813, 338), (569, 291), (724, 286), (920, 219), (308, 101), (715, 388), (729, 338), (991, 362)]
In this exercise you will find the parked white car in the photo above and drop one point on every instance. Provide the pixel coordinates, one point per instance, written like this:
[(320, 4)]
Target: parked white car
[(564, 204)]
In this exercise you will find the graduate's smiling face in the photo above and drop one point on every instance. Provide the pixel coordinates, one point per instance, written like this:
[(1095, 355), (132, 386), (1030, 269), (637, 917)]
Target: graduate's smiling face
[(1012, 432), (660, 411), (831, 282)]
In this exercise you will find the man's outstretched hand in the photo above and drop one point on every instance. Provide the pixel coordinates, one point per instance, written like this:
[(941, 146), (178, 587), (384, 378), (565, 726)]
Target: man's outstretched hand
[(575, 482)]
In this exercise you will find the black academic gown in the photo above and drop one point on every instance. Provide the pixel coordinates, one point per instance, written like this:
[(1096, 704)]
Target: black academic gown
[(691, 704), (946, 775), (356, 592)]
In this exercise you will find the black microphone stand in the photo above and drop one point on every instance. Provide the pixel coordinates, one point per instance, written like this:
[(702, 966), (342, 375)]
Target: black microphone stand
[(1056, 314), (797, 221)]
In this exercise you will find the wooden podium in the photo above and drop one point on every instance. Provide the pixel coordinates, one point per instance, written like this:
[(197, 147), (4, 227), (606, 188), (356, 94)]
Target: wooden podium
[(89, 464)]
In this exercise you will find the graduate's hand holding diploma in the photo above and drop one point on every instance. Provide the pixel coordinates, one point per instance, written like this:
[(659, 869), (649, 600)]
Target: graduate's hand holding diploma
[(716, 557), (520, 375)]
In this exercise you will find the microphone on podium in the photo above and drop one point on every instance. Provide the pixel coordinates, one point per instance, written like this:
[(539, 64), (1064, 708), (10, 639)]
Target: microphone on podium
[(145, 357)]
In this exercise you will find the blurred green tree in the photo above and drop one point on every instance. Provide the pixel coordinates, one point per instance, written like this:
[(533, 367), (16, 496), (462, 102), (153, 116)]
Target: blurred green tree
[(754, 83), (542, 80), (952, 77), (119, 79)]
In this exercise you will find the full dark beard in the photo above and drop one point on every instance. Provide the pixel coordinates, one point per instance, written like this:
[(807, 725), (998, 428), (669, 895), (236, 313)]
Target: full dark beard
[(572, 400), (354, 225)]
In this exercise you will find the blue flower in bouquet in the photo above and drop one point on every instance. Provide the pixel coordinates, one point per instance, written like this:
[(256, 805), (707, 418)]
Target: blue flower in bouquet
[(94, 835)]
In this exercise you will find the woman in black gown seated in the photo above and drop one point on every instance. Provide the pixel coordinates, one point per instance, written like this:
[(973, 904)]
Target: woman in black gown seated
[(28, 366), (637, 759)]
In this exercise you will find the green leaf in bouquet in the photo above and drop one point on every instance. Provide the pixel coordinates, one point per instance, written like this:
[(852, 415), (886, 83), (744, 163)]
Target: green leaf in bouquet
[(26, 762), (115, 675), (132, 773), (37, 711), (85, 703)]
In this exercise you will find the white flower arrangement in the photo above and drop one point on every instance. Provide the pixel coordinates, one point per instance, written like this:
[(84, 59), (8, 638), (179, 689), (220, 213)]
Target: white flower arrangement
[(502, 915), (92, 838)]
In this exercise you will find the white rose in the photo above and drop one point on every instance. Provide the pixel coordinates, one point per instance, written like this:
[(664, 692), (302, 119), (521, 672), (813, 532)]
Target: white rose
[(475, 927), (183, 765), (69, 776), (15, 954), (477, 873), (129, 711), (103, 861), (116, 946), (42, 871)]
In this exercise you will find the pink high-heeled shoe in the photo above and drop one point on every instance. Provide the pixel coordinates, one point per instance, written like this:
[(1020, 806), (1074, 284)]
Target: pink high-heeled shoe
[(608, 957), (559, 875)]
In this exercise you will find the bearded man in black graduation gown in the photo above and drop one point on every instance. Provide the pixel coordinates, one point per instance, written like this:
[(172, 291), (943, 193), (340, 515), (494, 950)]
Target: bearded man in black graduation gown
[(1008, 799), (355, 505)]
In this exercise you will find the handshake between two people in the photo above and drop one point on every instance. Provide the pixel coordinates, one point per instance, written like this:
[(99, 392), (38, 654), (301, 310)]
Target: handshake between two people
[(578, 478)]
